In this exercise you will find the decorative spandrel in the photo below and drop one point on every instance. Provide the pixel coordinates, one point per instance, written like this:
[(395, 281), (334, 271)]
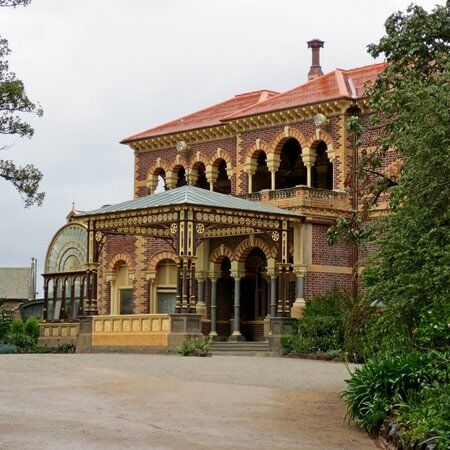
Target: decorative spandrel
[(68, 250)]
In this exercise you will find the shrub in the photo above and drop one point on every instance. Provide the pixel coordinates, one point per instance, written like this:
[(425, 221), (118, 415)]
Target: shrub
[(31, 328), (194, 347), (383, 382), (296, 345), (17, 327), (23, 343), (334, 320), (425, 417), (66, 348), (6, 348)]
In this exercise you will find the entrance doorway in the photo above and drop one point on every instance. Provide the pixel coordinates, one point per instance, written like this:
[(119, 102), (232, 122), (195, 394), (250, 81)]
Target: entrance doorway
[(254, 296), (225, 299)]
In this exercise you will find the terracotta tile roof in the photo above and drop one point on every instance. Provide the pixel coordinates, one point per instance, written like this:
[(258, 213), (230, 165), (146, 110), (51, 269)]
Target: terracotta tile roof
[(339, 84), (335, 85), (206, 117)]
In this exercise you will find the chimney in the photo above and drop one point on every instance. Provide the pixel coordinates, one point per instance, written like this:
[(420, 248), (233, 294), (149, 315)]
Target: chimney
[(315, 70)]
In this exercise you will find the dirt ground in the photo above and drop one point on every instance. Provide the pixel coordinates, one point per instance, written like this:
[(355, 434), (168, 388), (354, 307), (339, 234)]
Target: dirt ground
[(170, 402)]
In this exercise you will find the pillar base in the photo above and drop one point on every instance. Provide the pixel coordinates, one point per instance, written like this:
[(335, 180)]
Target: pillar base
[(200, 308), (279, 326), (236, 336), (298, 307)]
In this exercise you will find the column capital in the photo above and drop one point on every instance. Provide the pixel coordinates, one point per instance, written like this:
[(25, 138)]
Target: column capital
[(150, 276), (237, 275), (300, 270)]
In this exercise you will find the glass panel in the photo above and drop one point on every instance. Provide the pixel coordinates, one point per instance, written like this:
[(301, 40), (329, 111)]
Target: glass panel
[(126, 301), (68, 298), (166, 302)]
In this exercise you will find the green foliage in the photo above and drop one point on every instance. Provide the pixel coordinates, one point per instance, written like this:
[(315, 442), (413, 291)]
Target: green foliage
[(66, 348), (194, 347), (17, 328), (6, 348), (426, 417), (5, 321), (14, 102), (376, 388), (331, 321), (31, 328)]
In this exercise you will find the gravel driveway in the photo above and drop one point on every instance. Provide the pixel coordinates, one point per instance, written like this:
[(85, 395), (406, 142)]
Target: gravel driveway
[(117, 401)]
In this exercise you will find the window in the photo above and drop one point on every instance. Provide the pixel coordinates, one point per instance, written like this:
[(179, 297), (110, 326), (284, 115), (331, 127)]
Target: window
[(166, 286), (126, 301)]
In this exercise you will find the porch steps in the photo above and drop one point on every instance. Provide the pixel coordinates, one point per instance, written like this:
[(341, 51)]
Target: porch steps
[(241, 348)]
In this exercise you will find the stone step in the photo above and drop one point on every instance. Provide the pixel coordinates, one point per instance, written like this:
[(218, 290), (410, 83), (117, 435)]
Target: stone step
[(240, 348)]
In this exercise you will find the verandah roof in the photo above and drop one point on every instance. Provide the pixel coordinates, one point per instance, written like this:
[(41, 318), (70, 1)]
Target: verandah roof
[(190, 195)]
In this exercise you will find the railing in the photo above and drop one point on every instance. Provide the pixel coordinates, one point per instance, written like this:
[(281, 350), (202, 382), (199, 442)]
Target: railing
[(254, 197), (300, 197)]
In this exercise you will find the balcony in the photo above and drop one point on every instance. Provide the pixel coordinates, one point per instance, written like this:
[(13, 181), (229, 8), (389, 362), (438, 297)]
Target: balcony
[(303, 199)]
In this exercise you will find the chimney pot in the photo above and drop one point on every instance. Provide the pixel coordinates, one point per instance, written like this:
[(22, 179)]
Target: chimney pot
[(315, 70)]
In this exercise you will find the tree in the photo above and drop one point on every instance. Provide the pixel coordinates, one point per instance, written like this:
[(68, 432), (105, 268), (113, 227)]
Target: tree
[(13, 103), (410, 271)]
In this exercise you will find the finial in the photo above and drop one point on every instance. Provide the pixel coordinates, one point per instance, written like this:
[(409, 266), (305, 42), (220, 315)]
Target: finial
[(73, 206)]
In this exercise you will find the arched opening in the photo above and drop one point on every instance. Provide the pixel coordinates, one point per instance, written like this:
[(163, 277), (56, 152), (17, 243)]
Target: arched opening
[(200, 171), (58, 299), (181, 176), (225, 289), (261, 177), (166, 286), (292, 171), (254, 295), (322, 171), (223, 183), (161, 184)]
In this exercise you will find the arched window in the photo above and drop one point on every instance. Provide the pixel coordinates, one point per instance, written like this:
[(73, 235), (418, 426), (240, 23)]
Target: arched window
[(166, 286), (292, 171), (223, 183), (322, 173), (261, 177), (200, 175)]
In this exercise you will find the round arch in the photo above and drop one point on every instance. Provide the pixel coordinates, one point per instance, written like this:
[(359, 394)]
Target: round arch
[(160, 257), (221, 154), (118, 259), (315, 138), (219, 253), (247, 245), (280, 139)]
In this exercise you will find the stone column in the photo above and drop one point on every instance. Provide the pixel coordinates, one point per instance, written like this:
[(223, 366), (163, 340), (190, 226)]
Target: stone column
[(272, 179), (211, 174), (308, 157), (250, 181), (151, 277), (213, 332), (112, 294), (236, 335), (273, 295), (201, 305), (299, 304)]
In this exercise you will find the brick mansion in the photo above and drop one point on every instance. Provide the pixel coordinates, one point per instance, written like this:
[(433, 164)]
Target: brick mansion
[(226, 234)]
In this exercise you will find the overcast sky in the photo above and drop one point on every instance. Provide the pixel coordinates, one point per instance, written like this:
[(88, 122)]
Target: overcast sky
[(105, 69)]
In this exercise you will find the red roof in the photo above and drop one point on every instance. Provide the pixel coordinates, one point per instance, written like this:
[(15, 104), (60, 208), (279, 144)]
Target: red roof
[(335, 85), (206, 117), (339, 84)]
